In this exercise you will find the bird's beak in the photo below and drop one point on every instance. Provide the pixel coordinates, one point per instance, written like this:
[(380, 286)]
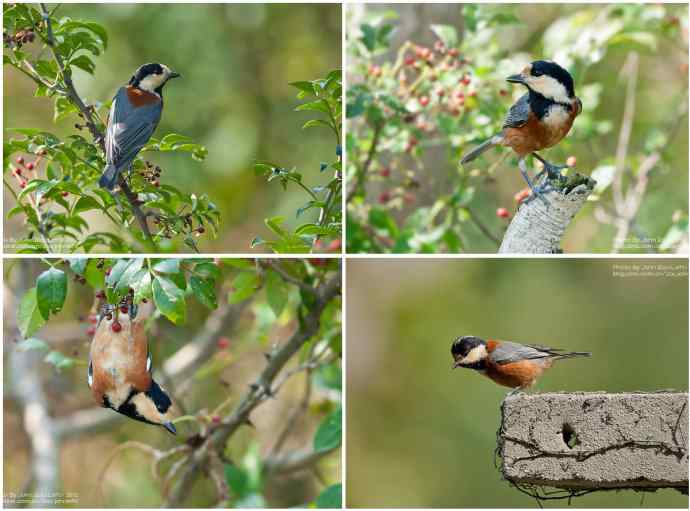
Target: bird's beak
[(174, 74), (169, 426), (516, 79)]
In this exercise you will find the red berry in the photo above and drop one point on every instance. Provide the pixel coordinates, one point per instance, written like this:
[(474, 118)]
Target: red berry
[(223, 343), (156, 183), (424, 100), (571, 161), (466, 80), (459, 94), (384, 197), (335, 245), (93, 319), (409, 61), (385, 172), (409, 198), (20, 160), (521, 195), (472, 93), (502, 213), (318, 262), (215, 419), (30, 166), (440, 92), (17, 172), (100, 294), (375, 71), (22, 184), (318, 245), (116, 326), (91, 330), (65, 194), (453, 52), (124, 309)]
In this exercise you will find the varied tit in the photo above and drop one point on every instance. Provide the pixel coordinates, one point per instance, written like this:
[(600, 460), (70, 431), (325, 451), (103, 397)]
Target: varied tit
[(134, 115), (120, 369), (539, 119), (507, 363)]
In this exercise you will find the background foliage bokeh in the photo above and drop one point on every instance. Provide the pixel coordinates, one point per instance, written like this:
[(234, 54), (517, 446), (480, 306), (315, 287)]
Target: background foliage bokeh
[(236, 62), (436, 101), (422, 435)]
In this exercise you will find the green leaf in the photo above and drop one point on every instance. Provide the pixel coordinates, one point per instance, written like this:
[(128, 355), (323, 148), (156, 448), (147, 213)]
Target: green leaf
[(204, 291), (51, 291), (447, 34), (276, 292), (83, 62), (29, 318), (207, 270), (320, 105), (169, 299), (32, 343), (141, 283), (85, 203), (78, 264), (331, 497), (329, 434), (123, 285), (59, 360), (244, 286), (167, 266), (238, 480), (117, 271), (94, 276)]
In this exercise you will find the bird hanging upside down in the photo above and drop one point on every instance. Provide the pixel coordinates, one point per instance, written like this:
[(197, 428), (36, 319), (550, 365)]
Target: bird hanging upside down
[(120, 369), (538, 120), (507, 363), (134, 115)]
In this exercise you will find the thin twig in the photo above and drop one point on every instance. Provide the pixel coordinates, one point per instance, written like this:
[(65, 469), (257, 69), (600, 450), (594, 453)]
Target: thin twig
[(275, 265), (87, 112)]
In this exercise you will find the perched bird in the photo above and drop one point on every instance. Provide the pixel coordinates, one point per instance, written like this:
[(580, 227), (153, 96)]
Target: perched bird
[(539, 119), (134, 115), (507, 363), (120, 370)]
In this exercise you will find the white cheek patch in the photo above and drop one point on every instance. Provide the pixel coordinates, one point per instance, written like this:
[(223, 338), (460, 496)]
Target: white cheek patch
[(550, 88), (557, 115), (152, 82), (475, 355)]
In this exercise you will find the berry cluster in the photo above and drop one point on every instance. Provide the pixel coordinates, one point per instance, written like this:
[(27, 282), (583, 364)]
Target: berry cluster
[(18, 39), (24, 170), (151, 174)]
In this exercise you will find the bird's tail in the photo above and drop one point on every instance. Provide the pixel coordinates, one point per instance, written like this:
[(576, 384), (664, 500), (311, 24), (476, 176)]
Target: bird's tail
[(484, 146), (572, 354), (109, 177)]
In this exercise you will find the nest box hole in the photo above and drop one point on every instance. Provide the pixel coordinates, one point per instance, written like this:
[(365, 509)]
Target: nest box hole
[(569, 436)]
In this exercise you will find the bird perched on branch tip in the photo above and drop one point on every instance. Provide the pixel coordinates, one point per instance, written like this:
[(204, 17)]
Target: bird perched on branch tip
[(134, 116), (540, 119)]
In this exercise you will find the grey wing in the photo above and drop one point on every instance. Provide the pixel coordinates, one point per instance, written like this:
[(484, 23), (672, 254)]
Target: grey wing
[(507, 352), (129, 129), (518, 115)]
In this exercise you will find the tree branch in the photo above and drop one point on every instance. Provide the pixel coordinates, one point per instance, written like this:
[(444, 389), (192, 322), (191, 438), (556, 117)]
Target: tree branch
[(88, 114), (258, 392), (538, 229)]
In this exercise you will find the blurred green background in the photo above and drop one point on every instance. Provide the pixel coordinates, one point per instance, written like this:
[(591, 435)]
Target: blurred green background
[(422, 435), (236, 61), (593, 41)]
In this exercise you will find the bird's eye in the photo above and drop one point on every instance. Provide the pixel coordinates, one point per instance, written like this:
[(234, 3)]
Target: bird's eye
[(536, 73)]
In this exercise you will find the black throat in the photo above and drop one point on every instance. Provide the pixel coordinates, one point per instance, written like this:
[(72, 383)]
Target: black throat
[(479, 366), (540, 104)]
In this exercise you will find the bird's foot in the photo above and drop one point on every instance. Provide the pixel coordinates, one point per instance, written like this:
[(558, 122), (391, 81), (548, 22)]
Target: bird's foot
[(516, 390), (536, 191)]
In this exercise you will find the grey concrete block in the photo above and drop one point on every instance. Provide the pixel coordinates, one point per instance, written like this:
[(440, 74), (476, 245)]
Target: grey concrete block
[(596, 440)]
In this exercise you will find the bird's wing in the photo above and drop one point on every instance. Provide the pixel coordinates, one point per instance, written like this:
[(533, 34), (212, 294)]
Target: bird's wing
[(129, 128), (508, 352), (518, 114)]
